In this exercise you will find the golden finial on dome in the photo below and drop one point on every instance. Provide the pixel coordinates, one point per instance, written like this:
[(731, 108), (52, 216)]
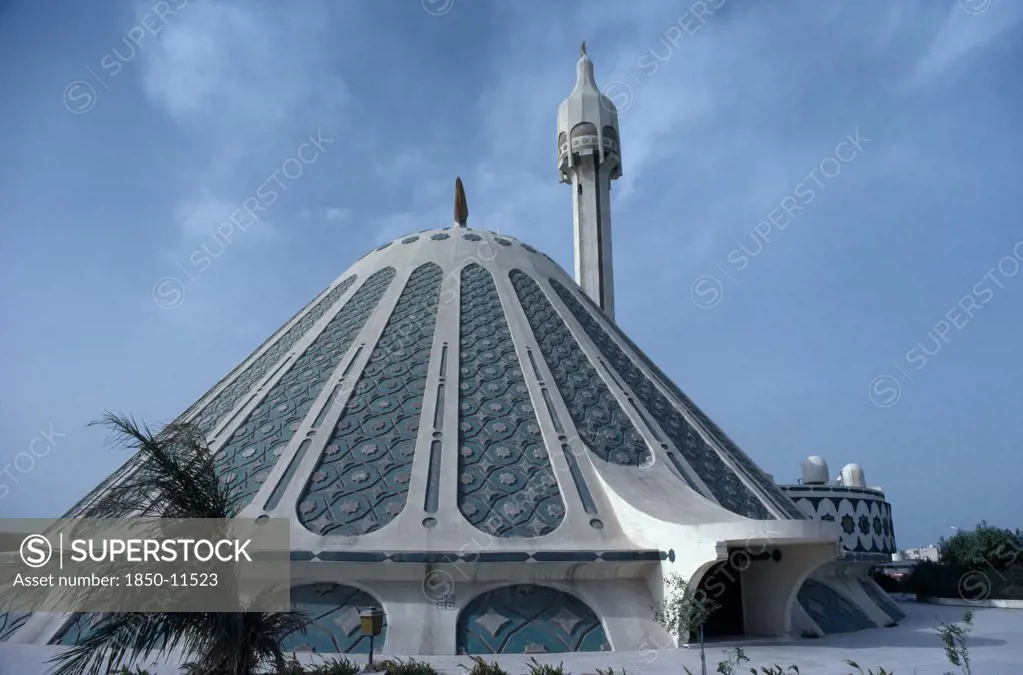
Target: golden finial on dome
[(461, 206)]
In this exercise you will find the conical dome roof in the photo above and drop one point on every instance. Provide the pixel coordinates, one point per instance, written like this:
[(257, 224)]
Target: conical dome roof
[(445, 377)]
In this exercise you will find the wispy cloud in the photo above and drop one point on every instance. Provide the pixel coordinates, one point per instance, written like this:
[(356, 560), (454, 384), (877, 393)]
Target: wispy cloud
[(244, 81), (965, 35), (337, 213)]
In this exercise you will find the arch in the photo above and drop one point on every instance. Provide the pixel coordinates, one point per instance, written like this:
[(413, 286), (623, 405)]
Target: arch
[(335, 628), (528, 618), (584, 129)]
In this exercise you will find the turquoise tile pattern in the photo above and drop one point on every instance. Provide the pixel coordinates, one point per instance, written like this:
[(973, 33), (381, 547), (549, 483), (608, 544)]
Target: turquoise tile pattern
[(252, 451), (227, 399), (361, 480), (829, 610), (335, 629), (602, 424), (726, 487), (526, 618), (506, 486), (752, 470)]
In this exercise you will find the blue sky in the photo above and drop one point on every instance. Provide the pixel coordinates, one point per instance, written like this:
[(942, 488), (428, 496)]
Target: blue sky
[(877, 321)]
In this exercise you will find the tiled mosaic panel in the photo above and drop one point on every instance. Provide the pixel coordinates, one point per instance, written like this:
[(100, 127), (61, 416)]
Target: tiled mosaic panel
[(883, 600), (602, 424), (866, 523), (505, 483), (529, 619), (654, 400), (722, 482), (226, 400), (12, 621), (361, 481), (335, 627), (829, 610), (242, 386), (252, 451)]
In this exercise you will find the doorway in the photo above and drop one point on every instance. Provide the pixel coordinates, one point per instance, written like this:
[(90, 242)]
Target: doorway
[(723, 584)]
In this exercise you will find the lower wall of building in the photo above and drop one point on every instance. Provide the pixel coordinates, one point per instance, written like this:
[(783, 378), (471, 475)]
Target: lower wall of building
[(545, 616)]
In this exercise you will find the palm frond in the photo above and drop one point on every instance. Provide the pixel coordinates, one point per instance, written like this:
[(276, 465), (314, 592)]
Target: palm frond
[(174, 476)]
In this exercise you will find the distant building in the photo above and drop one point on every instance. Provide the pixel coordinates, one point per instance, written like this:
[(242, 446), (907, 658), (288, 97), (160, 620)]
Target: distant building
[(925, 553)]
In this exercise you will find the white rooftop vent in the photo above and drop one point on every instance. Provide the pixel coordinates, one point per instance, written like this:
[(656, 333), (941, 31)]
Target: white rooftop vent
[(815, 471), (852, 476)]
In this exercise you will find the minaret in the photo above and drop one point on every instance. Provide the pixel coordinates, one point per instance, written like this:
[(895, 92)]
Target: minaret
[(589, 159)]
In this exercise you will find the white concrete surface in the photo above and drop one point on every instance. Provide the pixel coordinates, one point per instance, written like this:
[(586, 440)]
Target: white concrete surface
[(996, 648), (957, 602)]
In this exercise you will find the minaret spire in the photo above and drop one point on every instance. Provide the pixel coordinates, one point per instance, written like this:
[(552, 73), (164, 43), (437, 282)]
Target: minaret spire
[(461, 206), (589, 159)]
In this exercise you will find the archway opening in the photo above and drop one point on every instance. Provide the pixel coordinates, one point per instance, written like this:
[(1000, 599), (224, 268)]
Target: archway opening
[(723, 584)]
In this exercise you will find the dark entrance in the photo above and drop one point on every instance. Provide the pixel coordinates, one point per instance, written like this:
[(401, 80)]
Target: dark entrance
[(723, 584)]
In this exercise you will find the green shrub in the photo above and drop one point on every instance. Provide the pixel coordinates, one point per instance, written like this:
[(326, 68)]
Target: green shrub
[(335, 666), (410, 667), (609, 671), (953, 639), (730, 666), (536, 668), (879, 671), (952, 580), (481, 667), (985, 546)]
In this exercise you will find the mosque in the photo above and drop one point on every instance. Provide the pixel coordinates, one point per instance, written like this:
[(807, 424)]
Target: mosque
[(462, 436)]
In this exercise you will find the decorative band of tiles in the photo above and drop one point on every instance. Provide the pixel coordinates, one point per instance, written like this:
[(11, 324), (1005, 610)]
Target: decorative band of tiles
[(423, 557)]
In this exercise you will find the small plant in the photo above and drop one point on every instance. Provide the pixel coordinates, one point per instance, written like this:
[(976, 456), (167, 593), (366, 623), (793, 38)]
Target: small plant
[(335, 666), (481, 667), (537, 668), (611, 671), (736, 658), (953, 638), (879, 671), (775, 670), (410, 667), (292, 667), (810, 634), (685, 611)]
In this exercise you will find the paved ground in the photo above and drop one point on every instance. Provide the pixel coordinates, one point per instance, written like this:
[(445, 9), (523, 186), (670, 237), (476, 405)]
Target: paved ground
[(996, 648)]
